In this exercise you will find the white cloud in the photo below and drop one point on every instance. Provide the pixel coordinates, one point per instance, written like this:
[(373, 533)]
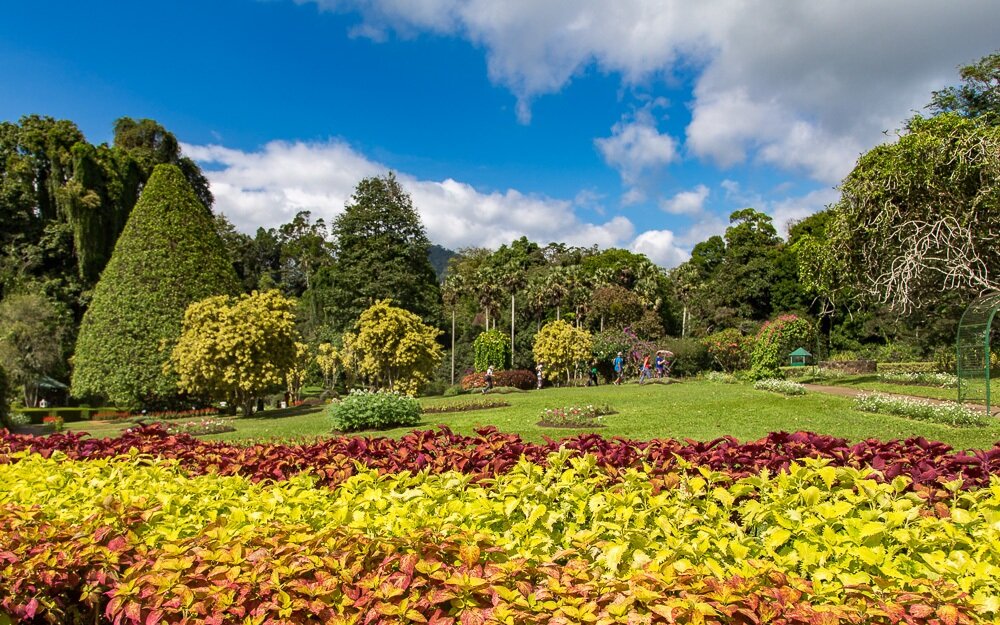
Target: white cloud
[(660, 246), (636, 147), (267, 187), (805, 86), (686, 202)]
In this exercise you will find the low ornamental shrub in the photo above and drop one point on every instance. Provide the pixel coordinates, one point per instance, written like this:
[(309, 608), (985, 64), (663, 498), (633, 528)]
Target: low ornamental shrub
[(19, 419), (55, 421), (374, 410), (516, 378), (955, 415), (785, 387), (728, 349)]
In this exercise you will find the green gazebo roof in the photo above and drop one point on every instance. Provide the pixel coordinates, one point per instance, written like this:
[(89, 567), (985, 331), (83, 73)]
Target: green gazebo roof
[(800, 352)]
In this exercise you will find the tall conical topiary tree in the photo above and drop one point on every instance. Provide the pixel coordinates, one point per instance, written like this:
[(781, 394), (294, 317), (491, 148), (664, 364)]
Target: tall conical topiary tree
[(168, 256)]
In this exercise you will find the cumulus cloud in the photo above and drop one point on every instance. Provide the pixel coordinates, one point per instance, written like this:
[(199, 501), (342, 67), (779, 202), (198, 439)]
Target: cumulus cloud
[(660, 246), (687, 202), (636, 147), (804, 86), (269, 186)]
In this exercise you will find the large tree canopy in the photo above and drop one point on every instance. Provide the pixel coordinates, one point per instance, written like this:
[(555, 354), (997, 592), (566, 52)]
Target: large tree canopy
[(168, 256), (917, 217), (380, 250)]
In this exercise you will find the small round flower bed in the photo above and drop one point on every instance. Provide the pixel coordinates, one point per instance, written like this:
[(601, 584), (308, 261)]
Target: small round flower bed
[(374, 410), (202, 427), (588, 416)]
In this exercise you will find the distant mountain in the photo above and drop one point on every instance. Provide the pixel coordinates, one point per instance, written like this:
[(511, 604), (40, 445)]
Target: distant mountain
[(439, 259)]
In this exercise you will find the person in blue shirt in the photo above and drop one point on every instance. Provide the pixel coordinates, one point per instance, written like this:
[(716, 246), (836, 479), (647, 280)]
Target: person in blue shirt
[(619, 364)]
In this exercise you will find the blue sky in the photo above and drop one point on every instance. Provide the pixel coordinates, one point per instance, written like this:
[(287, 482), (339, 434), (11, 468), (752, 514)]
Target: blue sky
[(634, 123)]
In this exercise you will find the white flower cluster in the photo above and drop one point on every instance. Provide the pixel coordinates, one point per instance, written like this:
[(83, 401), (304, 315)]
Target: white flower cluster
[(719, 376), (955, 415), (944, 380), (775, 385)]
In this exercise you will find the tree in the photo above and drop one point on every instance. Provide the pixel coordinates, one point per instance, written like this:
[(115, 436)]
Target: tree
[(330, 362), (380, 249), (774, 341), (917, 217), (33, 332), (561, 346), (168, 256), (394, 348), (977, 96), (237, 348), (4, 405), (492, 349)]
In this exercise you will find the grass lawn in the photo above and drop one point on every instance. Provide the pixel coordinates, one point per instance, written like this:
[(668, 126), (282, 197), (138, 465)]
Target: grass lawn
[(690, 409)]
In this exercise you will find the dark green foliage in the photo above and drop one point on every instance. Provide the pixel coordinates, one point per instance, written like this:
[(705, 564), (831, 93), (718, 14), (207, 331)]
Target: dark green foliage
[(492, 348), (690, 356), (4, 401), (366, 410), (439, 257), (380, 252), (168, 256), (977, 96)]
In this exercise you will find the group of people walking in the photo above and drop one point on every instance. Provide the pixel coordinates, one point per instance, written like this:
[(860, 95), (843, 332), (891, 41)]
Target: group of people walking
[(657, 363)]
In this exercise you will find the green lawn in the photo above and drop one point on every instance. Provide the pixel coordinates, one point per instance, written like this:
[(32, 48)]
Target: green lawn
[(690, 409)]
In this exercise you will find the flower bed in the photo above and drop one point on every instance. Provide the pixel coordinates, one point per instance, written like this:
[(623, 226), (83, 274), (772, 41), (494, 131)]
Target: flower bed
[(955, 415), (575, 416), (201, 427), (491, 452), (942, 380), (783, 387), (464, 406), (135, 540), (167, 415)]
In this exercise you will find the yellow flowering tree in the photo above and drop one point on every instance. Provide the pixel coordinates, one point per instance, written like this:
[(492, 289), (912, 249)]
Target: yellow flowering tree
[(393, 348), (236, 348), (331, 362), (296, 376), (560, 346)]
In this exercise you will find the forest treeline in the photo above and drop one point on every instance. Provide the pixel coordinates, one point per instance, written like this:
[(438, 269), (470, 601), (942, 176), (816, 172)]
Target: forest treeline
[(883, 273)]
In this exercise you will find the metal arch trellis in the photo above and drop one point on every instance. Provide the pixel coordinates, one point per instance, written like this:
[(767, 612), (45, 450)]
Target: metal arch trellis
[(972, 350)]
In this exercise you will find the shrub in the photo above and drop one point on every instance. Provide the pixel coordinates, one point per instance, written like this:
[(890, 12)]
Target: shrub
[(775, 385), (374, 410), (728, 348), (168, 256), (19, 419), (690, 356), (775, 340), (517, 378), (453, 390), (200, 428), (492, 348), (955, 415)]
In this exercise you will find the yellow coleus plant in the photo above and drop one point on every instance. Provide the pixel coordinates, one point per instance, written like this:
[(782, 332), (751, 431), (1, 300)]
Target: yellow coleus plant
[(835, 527), (393, 348), (237, 348)]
